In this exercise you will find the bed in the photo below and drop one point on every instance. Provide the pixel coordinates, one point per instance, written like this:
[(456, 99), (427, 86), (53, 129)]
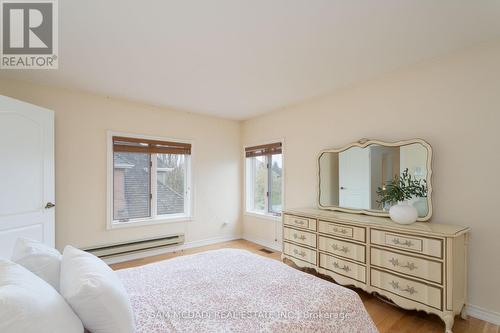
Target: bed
[(231, 290)]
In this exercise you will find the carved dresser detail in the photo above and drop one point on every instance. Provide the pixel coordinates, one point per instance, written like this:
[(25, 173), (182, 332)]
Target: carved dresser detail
[(421, 266)]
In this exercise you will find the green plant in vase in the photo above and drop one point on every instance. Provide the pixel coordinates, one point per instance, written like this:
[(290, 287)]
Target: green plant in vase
[(397, 192)]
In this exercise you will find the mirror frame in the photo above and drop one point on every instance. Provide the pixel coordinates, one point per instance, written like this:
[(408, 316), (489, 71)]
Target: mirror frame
[(363, 143)]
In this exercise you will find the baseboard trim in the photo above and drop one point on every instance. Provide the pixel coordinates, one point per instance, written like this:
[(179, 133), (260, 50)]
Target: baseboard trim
[(169, 249), (272, 245), (483, 314)]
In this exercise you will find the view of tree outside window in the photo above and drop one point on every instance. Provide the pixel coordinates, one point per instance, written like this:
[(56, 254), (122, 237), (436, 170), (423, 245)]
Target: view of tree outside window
[(265, 184), (276, 184), (170, 183), (259, 185)]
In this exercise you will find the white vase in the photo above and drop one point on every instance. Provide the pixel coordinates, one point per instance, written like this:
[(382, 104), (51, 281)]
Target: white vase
[(403, 213)]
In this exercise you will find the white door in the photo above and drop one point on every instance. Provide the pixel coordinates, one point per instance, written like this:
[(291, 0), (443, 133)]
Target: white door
[(26, 174), (354, 178)]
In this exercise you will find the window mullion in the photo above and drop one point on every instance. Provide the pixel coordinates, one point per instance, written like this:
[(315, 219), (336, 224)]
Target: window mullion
[(154, 192)]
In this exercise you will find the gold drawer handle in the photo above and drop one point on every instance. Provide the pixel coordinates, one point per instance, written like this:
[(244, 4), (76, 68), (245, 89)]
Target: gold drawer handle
[(395, 262), (344, 249), (341, 231), (397, 241), (408, 289), (344, 268), (299, 222), (301, 253), (301, 237)]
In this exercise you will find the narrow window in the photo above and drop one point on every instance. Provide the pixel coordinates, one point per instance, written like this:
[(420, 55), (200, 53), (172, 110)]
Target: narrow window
[(264, 179)]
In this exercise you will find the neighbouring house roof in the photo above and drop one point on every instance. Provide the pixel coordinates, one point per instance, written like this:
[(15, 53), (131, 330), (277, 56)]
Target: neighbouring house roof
[(137, 193), (169, 201)]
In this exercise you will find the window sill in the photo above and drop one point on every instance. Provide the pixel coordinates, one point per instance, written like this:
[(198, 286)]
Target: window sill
[(263, 216), (149, 221)]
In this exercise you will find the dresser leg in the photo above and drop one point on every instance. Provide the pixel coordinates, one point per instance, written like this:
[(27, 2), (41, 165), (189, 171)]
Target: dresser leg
[(463, 314), (448, 322)]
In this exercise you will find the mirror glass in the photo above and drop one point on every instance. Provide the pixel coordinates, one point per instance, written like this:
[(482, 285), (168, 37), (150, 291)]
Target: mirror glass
[(353, 178)]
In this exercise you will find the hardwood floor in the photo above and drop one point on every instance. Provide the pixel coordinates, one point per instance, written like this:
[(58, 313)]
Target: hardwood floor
[(387, 318)]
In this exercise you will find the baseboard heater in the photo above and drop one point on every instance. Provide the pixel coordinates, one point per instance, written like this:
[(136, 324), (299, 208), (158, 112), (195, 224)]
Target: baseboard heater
[(118, 249)]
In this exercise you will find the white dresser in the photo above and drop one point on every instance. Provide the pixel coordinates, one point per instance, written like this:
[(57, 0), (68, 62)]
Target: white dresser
[(421, 266)]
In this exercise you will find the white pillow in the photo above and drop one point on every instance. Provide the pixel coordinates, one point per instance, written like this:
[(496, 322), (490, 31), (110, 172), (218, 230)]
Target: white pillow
[(30, 305), (95, 293), (39, 258)]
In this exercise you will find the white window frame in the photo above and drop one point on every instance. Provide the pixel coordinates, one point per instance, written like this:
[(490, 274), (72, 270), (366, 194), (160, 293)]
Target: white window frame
[(154, 218), (248, 185)]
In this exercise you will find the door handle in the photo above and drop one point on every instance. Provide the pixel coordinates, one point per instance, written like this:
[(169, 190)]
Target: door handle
[(49, 205), (342, 187)]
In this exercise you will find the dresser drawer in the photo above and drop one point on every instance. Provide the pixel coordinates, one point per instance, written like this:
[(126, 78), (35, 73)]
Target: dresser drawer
[(409, 289), (418, 267), (418, 244), (342, 230), (300, 252), (299, 236), (343, 249), (300, 222), (343, 267)]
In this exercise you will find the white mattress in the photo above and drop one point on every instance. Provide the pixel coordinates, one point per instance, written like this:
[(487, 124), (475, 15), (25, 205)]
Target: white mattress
[(233, 290)]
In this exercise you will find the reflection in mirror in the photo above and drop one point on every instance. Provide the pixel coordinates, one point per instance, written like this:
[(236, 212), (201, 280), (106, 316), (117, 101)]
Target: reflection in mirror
[(350, 178)]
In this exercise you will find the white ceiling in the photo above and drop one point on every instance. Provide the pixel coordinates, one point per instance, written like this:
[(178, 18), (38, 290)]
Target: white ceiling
[(240, 58)]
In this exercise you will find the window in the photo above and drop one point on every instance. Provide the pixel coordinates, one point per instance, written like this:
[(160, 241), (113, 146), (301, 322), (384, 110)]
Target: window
[(150, 180), (264, 179)]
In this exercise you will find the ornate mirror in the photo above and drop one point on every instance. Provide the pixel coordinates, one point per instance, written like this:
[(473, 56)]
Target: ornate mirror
[(353, 178)]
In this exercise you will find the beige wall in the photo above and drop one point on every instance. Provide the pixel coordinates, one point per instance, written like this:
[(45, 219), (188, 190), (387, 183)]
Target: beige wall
[(453, 103), (81, 123)]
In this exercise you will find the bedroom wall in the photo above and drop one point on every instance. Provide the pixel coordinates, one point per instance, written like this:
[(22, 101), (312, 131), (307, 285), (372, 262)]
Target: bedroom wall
[(453, 103), (81, 124)]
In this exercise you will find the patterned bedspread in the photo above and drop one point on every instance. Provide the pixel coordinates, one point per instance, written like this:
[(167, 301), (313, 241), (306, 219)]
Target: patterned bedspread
[(233, 290)]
